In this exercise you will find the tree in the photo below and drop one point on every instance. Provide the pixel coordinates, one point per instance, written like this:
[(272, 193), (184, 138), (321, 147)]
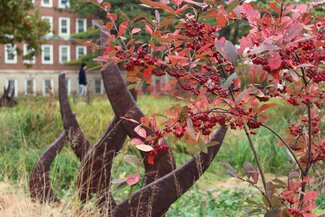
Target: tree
[(18, 24), (122, 8), (284, 47)]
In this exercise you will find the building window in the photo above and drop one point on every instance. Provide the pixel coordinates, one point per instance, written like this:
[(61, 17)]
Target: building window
[(27, 51), (64, 3), (81, 25), (10, 54), (64, 53), (30, 87), (80, 51), (46, 3), (47, 87), (98, 86), (49, 19), (47, 54), (64, 26), (13, 86)]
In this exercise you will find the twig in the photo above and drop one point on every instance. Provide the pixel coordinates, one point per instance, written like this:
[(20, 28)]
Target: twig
[(256, 157), (287, 146)]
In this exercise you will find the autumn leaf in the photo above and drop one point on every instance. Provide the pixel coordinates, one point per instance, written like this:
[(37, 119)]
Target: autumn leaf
[(132, 159), (251, 171), (147, 74), (132, 179), (136, 141), (135, 30), (122, 28), (143, 147), (275, 60), (140, 131), (264, 107)]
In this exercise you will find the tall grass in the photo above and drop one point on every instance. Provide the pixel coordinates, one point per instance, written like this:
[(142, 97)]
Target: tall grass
[(27, 129)]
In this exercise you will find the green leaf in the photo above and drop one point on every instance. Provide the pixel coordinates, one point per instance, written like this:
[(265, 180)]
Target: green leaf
[(230, 79), (200, 147), (183, 113), (272, 213), (232, 5)]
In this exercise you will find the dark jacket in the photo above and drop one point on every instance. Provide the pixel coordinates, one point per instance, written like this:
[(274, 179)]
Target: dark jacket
[(82, 77)]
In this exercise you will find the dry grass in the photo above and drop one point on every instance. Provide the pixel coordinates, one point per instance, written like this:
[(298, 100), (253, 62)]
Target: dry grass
[(15, 202)]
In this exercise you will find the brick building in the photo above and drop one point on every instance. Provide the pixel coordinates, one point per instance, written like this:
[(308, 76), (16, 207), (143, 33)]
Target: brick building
[(42, 77)]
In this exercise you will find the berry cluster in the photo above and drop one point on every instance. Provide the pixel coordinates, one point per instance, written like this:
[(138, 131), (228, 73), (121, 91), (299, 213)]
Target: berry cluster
[(141, 59), (199, 30), (151, 155)]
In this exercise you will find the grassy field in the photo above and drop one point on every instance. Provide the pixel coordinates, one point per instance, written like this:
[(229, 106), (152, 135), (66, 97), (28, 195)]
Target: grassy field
[(27, 129)]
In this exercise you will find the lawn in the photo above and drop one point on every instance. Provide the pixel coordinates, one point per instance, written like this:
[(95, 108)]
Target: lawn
[(27, 129)]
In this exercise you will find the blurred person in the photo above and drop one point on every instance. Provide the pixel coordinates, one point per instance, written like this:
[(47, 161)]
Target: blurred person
[(82, 80)]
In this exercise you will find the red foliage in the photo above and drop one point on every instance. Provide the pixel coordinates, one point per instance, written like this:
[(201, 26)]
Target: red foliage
[(285, 50)]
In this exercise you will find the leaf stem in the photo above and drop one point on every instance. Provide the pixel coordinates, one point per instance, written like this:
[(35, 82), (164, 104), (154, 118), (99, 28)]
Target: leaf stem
[(287, 146), (256, 157)]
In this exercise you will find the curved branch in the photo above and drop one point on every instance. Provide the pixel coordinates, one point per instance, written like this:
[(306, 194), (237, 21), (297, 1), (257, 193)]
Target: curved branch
[(95, 170), (124, 106), (78, 141), (154, 199), (40, 183)]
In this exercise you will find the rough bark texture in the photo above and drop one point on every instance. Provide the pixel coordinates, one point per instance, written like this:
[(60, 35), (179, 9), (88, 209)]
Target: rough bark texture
[(124, 106), (40, 183), (7, 99), (154, 199), (163, 183)]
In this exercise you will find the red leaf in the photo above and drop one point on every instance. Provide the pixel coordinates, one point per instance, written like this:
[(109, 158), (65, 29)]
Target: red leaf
[(135, 30), (310, 196), (292, 32), (132, 179), (145, 121), (158, 5), (151, 159), (149, 29), (136, 141), (266, 106), (140, 131), (122, 28), (147, 74), (221, 20), (275, 61)]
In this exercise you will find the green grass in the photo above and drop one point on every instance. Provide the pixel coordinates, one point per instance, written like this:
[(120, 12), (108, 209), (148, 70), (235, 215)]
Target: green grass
[(27, 129)]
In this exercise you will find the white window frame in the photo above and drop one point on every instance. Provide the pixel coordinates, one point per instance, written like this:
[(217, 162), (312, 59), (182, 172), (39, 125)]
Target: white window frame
[(84, 25), (49, 5), (34, 86), (50, 19), (25, 52), (77, 51), (101, 86), (64, 5), (43, 88), (68, 26), (8, 61), (60, 53), (16, 85), (51, 54)]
